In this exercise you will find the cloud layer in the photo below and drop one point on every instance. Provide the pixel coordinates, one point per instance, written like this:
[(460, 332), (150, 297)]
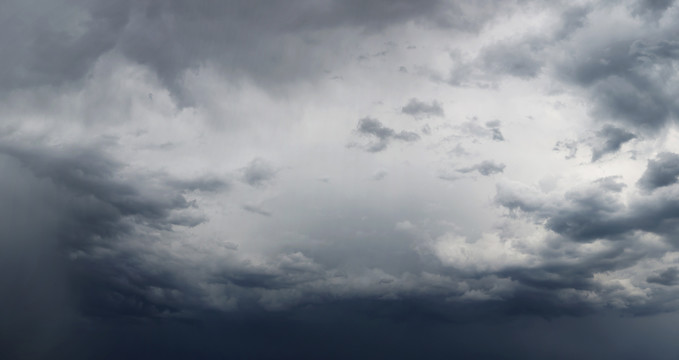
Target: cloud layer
[(406, 172)]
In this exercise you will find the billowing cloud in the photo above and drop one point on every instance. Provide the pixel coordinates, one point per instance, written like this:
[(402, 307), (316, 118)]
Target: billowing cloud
[(419, 108), (176, 179), (610, 139), (668, 277), (381, 134), (660, 172)]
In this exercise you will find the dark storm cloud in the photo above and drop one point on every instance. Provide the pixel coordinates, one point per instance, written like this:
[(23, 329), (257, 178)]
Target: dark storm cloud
[(628, 78), (383, 135), (99, 259), (285, 271), (419, 108), (596, 211), (610, 140), (584, 214), (485, 168), (33, 282), (377, 329), (258, 173), (572, 19), (660, 172), (88, 172), (104, 221), (41, 52), (668, 277), (652, 8), (240, 38), (630, 81)]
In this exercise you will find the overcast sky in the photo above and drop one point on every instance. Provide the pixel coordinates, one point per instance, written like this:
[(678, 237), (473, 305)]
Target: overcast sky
[(339, 179)]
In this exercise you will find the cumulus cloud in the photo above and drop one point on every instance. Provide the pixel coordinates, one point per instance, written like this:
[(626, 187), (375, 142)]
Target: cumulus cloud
[(381, 134), (610, 139), (622, 84), (419, 108), (660, 172)]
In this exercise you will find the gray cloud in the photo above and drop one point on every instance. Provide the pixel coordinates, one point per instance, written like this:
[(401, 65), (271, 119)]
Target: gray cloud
[(652, 8), (256, 210), (258, 173), (205, 184), (585, 214), (104, 225), (621, 84), (660, 172), (380, 175), (627, 77), (511, 59), (494, 127), (570, 147), (491, 129), (105, 254), (419, 108), (572, 19), (596, 211), (668, 277), (610, 140), (89, 172), (383, 135), (50, 52), (171, 38), (485, 168)]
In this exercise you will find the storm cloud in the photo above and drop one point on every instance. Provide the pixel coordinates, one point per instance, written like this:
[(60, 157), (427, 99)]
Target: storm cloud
[(660, 172), (195, 179)]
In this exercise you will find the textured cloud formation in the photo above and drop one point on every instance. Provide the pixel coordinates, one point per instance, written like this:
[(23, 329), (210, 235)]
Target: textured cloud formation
[(485, 168), (668, 277), (176, 179), (419, 108), (660, 172), (382, 134), (611, 139), (258, 173)]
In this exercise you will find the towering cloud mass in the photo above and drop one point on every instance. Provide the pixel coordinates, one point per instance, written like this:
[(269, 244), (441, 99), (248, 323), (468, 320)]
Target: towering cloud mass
[(339, 179)]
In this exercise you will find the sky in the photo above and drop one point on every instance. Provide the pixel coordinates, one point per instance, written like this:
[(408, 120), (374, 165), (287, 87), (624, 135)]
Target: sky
[(492, 179)]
